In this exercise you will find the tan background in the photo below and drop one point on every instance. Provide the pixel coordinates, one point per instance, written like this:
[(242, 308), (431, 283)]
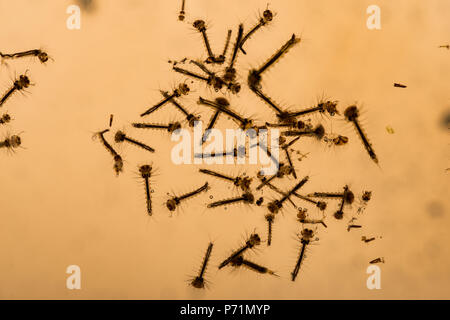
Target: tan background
[(61, 204)]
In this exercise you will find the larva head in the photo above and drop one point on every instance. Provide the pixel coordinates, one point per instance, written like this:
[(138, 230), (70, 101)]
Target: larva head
[(302, 214), (183, 88), (22, 82), (254, 240), (198, 283), (339, 215), (217, 83), (14, 141), (119, 136), (254, 79), (221, 101), (237, 262), (284, 170), (118, 164), (321, 205), (274, 206), (42, 56), (267, 15), (181, 16), (145, 171), (366, 196), (5, 118), (329, 106), (234, 87), (340, 140), (244, 183), (192, 119), (200, 25), (351, 113), (269, 217), (319, 131), (248, 197), (307, 234), (230, 74), (349, 197), (172, 204)]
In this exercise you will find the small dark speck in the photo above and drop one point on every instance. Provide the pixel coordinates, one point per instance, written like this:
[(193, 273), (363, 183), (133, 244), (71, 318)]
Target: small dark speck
[(399, 85), (435, 209), (445, 120)]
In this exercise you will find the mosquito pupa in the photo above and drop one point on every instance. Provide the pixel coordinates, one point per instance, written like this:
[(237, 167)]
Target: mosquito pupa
[(265, 19), (120, 136), (260, 201), (377, 260), (21, 83), (118, 162), (241, 182), (182, 13), (399, 85), (221, 59), (200, 25), (199, 281), (183, 89), (170, 127), (318, 132), (190, 118), (230, 71), (5, 118), (41, 55), (254, 77), (270, 217), (319, 204), (306, 236), (222, 102), (11, 142), (240, 261), (276, 205), (253, 240), (302, 217), (247, 198), (146, 171), (352, 114), (173, 202)]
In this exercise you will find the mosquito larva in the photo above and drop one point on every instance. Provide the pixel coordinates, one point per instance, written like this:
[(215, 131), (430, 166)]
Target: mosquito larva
[(182, 89), (146, 171), (324, 106), (221, 59), (288, 156), (182, 13), (222, 102), (199, 281), (366, 240), (173, 202), (236, 153), (120, 136), (118, 162), (5, 118), (212, 80), (19, 84), (190, 118), (307, 235), (293, 125), (318, 132), (245, 123), (247, 198), (230, 71), (377, 260), (41, 55), (200, 25), (254, 76), (319, 204), (253, 240), (265, 19), (242, 182), (303, 218), (352, 114), (347, 197), (240, 261), (276, 205), (446, 46), (170, 127), (270, 217), (399, 85), (111, 117), (11, 142)]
